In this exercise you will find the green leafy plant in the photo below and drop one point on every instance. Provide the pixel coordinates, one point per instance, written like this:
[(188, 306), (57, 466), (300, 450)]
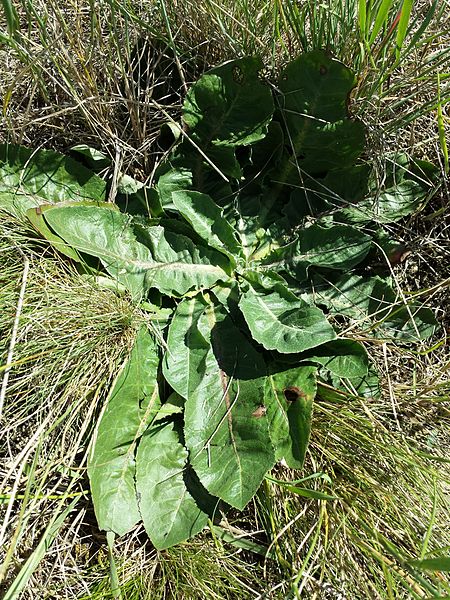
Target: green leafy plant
[(250, 253)]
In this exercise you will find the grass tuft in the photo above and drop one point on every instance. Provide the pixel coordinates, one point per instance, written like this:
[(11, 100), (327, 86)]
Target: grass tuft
[(70, 341)]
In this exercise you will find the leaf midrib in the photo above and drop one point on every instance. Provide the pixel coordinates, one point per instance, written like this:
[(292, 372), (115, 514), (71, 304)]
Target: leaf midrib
[(272, 314)]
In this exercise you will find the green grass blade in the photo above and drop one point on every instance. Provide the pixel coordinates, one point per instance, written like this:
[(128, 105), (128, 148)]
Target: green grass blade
[(417, 38), (441, 128), (403, 26), (306, 493), (38, 554), (11, 17), (441, 563), (381, 19), (114, 578), (362, 18), (21, 526), (429, 531), (239, 542)]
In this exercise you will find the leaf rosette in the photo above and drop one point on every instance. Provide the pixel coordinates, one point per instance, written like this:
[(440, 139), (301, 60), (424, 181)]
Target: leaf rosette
[(249, 252)]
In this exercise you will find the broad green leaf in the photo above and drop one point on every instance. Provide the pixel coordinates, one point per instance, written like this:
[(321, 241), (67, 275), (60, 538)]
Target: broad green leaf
[(266, 153), (330, 146), (179, 264), (128, 185), (171, 180), (16, 202), (229, 106), (186, 347), (226, 434), (131, 406), (408, 323), (169, 134), (225, 159), (325, 196), (281, 321), (399, 321), (314, 92), (339, 247), (372, 303), (107, 235), (29, 178), (207, 220), (407, 184), (208, 181), (169, 262), (338, 389), (245, 216), (388, 206), (92, 157), (342, 186), (367, 386), (397, 202), (134, 197), (345, 358), (314, 87), (228, 294), (288, 399), (265, 279), (174, 405), (182, 227), (172, 505), (36, 218), (439, 563), (347, 295)]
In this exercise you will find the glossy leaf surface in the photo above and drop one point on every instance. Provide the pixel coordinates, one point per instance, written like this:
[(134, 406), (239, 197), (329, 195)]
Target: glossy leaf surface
[(36, 218), (281, 321), (315, 91), (345, 358), (165, 487), (229, 106), (29, 178), (179, 265), (131, 406), (339, 247), (228, 442), (107, 235), (251, 250), (167, 261), (207, 220), (374, 304), (288, 398), (186, 347)]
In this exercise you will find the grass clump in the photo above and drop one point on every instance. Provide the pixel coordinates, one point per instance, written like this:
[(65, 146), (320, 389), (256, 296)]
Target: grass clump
[(71, 337), (390, 508)]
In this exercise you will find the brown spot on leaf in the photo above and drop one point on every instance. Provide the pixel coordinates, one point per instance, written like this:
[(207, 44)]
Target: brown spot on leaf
[(323, 70), (293, 393), (261, 411)]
